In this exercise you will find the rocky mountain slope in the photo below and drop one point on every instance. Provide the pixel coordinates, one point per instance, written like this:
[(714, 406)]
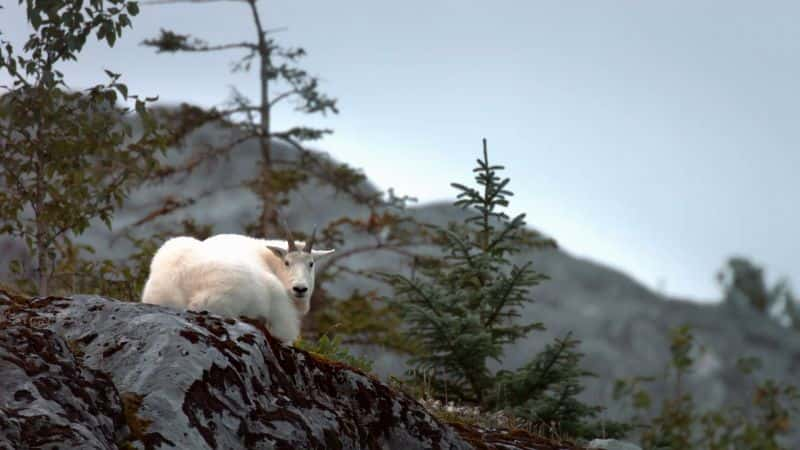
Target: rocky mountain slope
[(623, 325)]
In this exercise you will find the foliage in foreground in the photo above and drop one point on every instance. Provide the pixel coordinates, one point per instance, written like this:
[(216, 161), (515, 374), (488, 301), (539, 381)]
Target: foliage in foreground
[(80, 271), (463, 308), (66, 158), (678, 423)]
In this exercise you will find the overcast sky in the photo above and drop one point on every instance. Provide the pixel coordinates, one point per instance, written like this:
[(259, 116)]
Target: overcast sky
[(657, 137)]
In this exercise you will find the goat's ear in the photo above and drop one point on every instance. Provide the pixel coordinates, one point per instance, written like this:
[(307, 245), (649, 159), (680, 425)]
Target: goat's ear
[(319, 253), (280, 252)]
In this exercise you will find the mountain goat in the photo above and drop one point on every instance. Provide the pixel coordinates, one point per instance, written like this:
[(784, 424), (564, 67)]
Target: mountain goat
[(234, 275)]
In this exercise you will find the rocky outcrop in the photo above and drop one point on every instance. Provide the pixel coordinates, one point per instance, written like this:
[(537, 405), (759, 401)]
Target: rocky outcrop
[(88, 372), (48, 399)]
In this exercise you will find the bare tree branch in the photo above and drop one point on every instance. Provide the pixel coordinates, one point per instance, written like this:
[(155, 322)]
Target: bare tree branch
[(400, 249), (170, 204), (283, 96), (239, 109), (214, 48), (197, 159)]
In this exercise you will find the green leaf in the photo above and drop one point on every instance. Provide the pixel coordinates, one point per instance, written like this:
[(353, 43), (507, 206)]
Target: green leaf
[(35, 20), (111, 37)]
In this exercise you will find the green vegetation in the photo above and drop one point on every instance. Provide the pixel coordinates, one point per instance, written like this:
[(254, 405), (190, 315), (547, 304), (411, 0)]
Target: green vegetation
[(460, 306), (333, 350), (462, 309), (362, 318), (66, 157), (678, 423), (78, 271), (545, 392)]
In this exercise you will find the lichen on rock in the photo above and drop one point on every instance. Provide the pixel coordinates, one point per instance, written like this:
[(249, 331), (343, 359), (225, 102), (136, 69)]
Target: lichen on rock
[(204, 382), (92, 373), (48, 399)]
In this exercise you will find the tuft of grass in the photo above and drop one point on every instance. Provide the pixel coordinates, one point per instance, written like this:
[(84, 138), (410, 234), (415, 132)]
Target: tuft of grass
[(332, 349)]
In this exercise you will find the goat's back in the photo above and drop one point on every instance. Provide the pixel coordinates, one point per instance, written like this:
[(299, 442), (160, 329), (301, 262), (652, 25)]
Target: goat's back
[(227, 274), (165, 271)]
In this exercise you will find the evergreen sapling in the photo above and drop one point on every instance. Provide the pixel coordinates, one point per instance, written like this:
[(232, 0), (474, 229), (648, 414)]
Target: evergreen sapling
[(463, 308)]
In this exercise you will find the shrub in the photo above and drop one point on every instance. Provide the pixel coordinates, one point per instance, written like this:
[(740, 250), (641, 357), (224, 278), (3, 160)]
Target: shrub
[(462, 309), (679, 424)]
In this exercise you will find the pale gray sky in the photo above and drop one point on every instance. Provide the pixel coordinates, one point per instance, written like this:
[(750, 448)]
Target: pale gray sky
[(657, 137)]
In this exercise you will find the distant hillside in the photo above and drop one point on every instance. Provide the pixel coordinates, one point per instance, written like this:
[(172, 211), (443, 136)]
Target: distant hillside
[(623, 325)]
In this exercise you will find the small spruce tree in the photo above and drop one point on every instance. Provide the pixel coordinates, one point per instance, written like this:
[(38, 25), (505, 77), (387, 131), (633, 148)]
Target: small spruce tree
[(545, 390), (462, 309)]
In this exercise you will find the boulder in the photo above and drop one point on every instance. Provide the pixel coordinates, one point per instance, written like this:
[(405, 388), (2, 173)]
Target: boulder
[(93, 373)]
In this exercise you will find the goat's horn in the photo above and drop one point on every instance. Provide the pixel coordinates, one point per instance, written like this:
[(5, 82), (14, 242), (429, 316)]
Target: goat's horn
[(289, 237), (310, 242)]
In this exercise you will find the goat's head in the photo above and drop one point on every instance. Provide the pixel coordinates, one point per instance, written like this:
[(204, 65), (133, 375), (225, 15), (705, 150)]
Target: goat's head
[(299, 266)]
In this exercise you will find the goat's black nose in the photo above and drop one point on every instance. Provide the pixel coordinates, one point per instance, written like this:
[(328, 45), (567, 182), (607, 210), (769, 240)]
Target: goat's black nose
[(300, 289)]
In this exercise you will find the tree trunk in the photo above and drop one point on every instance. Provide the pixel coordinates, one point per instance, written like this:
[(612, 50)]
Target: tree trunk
[(41, 256), (41, 236), (267, 196), (268, 211)]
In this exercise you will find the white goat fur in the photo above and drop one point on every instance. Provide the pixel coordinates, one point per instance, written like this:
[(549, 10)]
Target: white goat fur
[(230, 275)]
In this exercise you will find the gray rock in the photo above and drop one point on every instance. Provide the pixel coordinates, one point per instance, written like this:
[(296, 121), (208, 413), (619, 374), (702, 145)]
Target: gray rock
[(197, 382), (48, 399), (612, 444)]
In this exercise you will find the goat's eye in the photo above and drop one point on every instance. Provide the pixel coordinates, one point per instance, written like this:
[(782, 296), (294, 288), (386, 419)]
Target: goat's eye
[(286, 263), (311, 264)]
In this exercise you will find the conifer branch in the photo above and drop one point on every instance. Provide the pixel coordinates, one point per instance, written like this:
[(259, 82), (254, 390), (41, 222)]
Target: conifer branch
[(517, 275)]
